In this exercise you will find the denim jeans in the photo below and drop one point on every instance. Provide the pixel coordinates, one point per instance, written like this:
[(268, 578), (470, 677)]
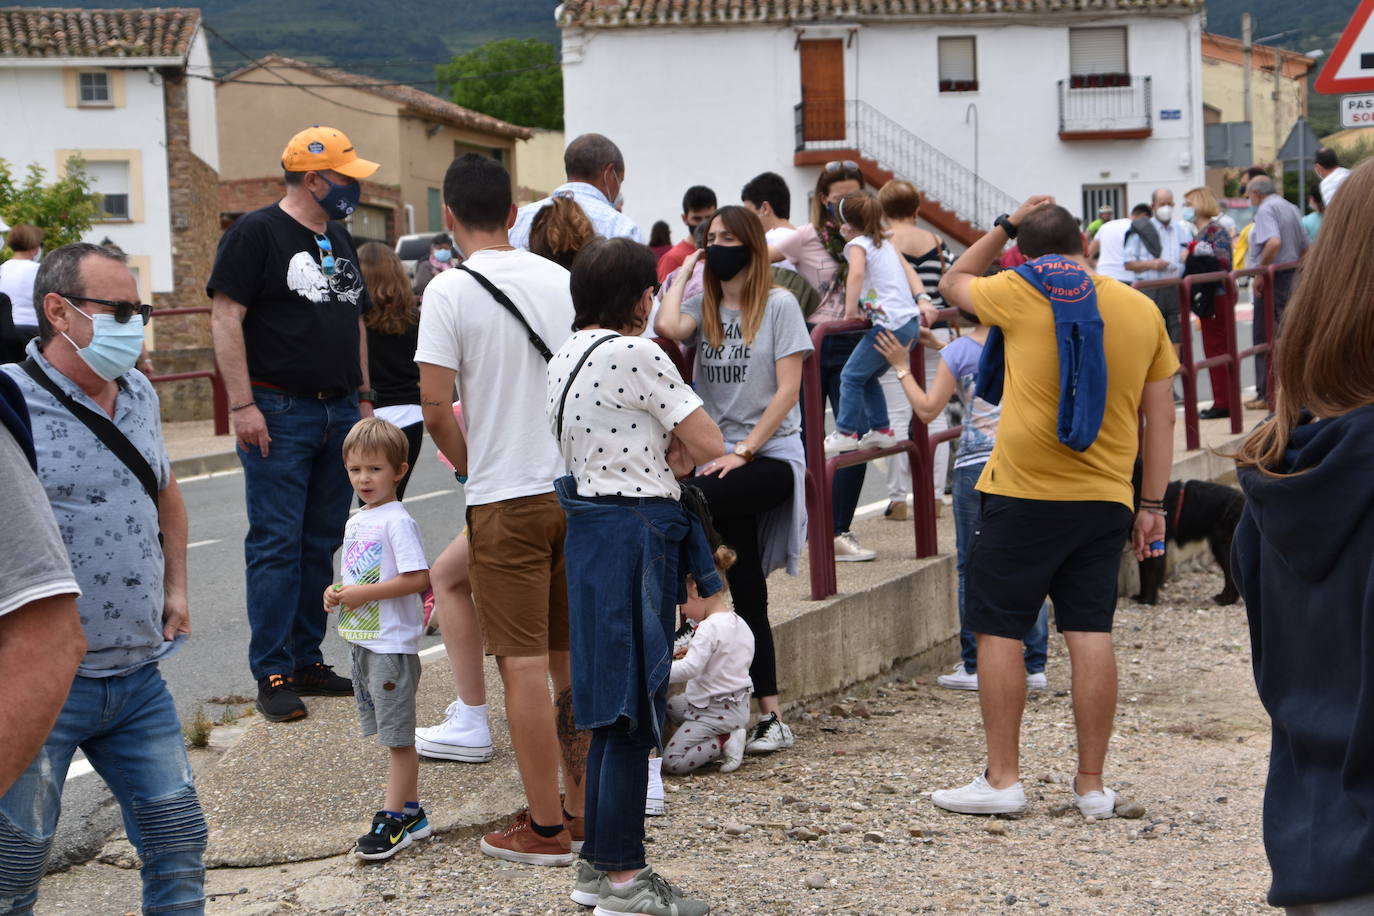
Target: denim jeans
[(863, 406), (849, 482), (128, 728), (617, 781), (966, 506), (298, 499)]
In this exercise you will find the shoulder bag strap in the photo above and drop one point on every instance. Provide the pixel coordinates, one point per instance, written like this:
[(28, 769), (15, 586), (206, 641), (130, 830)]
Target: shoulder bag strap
[(563, 400), (104, 430), (509, 306)]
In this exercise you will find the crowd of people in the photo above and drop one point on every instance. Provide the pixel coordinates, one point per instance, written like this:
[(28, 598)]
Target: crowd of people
[(622, 523)]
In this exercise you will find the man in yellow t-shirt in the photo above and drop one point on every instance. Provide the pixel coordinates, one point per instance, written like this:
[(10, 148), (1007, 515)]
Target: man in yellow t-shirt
[(1053, 520)]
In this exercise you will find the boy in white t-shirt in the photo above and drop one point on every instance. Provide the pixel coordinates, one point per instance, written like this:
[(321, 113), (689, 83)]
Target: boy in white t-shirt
[(383, 572)]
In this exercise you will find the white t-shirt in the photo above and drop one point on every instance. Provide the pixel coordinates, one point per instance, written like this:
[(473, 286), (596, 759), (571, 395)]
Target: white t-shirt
[(775, 237), (1111, 251), (620, 412), (16, 281), (1332, 183), (886, 298), (380, 544), (717, 660), (501, 377)]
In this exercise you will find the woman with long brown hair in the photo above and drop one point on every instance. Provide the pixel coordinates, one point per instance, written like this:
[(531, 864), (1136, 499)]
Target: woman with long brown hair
[(393, 329), (751, 341), (1301, 556)]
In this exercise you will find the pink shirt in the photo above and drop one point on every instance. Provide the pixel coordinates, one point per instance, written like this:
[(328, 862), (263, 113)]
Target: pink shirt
[(816, 266)]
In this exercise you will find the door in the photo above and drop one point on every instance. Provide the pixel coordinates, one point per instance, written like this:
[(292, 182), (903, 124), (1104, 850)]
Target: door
[(822, 82)]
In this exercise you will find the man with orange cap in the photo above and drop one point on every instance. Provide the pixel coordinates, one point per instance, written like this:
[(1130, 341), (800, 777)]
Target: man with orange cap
[(287, 316)]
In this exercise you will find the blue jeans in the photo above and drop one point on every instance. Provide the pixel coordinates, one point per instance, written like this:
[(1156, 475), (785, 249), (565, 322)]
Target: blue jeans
[(863, 406), (298, 500), (128, 728), (849, 482), (966, 507), (617, 781)]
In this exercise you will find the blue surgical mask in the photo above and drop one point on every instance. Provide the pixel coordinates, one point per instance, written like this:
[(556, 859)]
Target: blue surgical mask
[(114, 348), (1189, 213), (341, 200), (443, 255)]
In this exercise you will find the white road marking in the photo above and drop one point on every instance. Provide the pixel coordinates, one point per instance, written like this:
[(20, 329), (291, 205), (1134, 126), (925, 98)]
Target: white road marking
[(206, 543), (432, 652), (79, 768)]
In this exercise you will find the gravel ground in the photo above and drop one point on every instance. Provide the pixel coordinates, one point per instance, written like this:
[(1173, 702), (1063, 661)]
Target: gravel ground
[(842, 823)]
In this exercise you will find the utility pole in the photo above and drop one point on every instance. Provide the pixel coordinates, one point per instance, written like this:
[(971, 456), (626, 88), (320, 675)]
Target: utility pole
[(1245, 34), (1278, 100)]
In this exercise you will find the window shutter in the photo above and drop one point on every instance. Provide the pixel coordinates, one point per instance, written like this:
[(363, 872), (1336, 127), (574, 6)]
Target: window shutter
[(1095, 51), (957, 60)]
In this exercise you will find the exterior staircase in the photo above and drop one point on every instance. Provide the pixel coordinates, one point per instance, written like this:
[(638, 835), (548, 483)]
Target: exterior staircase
[(956, 200)]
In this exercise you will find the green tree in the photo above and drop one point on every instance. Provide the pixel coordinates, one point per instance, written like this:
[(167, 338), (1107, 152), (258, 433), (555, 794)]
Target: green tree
[(64, 210), (516, 80)]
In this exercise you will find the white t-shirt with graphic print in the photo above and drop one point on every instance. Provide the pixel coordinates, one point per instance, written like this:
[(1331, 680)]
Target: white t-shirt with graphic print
[(380, 544), (886, 298), (619, 414)]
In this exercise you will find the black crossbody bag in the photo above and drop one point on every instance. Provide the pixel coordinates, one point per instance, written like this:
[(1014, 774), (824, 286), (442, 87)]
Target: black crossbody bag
[(104, 430), (535, 340)]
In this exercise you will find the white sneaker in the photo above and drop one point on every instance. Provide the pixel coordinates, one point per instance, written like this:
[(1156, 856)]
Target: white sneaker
[(849, 550), (959, 679), (770, 734), (654, 805), (1100, 804), (1037, 681), (876, 438), (837, 443), (980, 798), (733, 751), (462, 736), (683, 637)]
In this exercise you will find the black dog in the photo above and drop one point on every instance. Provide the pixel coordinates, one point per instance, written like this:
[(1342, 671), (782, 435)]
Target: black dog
[(1197, 509)]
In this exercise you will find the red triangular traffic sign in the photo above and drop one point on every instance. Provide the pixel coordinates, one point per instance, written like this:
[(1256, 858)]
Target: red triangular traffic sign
[(1350, 68)]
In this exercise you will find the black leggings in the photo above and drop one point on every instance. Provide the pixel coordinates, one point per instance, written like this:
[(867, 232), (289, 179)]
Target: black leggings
[(737, 501)]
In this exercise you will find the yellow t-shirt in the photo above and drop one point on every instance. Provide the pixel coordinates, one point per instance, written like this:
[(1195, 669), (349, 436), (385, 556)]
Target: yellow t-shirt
[(1028, 460)]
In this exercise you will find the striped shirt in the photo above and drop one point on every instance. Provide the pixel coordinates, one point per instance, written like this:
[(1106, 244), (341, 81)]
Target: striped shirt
[(929, 268)]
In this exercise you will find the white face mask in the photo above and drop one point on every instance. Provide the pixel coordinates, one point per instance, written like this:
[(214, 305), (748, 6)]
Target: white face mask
[(1164, 213)]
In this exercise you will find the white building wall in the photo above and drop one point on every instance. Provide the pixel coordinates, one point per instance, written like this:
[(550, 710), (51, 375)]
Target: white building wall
[(715, 105), (38, 123), (200, 101)]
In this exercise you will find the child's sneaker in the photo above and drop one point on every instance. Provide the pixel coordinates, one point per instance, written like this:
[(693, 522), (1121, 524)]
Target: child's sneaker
[(586, 883), (878, 438), (654, 804), (683, 637), (732, 751), (770, 734), (522, 844), (387, 837), (837, 443), (417, 824), (649, 894)]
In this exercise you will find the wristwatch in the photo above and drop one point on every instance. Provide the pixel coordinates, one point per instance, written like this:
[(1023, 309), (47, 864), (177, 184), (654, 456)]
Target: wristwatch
[(369, 395), (1004, 223), (902, 373), (744, 451)]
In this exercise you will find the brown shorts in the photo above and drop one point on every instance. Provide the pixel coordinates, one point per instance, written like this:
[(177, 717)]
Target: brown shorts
[(518, 582)]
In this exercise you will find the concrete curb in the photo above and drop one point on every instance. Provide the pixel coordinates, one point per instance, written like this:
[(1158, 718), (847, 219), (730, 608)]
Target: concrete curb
[(201, 465)]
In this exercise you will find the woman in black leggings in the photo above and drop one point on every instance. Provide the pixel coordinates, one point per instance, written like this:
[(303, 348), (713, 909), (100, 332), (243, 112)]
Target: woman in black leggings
[(751, 341)]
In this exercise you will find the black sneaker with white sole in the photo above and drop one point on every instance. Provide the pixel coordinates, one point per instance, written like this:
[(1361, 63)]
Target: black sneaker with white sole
[(387, 837), (770, 734), (276, 700), (319, 680)]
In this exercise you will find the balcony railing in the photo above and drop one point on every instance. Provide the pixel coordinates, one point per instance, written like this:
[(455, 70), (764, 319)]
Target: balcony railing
[(1104, 106), (855, 125)]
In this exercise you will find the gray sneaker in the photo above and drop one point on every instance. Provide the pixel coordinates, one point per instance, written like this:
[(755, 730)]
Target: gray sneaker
[(649, 894), (586, 883)]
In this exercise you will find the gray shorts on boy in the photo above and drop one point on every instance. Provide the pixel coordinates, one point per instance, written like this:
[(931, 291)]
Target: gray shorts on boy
[(384, 686)]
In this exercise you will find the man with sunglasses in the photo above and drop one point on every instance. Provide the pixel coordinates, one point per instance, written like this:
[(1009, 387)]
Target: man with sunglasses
[(287, 304), (104, 468)]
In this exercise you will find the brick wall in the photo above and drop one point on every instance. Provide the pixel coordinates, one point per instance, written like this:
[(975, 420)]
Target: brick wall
[(244, 194)]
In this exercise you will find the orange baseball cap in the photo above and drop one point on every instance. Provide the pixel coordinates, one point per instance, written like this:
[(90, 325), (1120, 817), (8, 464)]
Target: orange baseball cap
[(318, 148)]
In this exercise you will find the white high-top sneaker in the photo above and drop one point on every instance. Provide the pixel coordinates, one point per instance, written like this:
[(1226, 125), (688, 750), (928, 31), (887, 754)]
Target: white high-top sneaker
[(462, 736), (654, 805)]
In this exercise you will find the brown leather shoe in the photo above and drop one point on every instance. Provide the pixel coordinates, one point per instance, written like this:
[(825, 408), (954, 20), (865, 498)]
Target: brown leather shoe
[(577, 830), (1257, 404), (519, 843)]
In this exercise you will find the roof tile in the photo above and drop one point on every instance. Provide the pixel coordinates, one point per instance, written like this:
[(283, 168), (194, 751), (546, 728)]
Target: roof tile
[(609, 13), (59, 32)]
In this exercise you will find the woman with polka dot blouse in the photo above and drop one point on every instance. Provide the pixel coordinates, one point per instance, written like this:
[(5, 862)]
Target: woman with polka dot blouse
[(751, 341), (627, 426)]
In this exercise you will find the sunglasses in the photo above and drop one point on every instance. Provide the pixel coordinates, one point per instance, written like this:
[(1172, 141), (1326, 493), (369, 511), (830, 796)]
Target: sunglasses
[(326, 254), (123, 310), (838, 165)]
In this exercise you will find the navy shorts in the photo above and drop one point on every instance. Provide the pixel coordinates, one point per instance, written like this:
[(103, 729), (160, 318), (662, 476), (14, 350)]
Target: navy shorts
[(1025, 549)]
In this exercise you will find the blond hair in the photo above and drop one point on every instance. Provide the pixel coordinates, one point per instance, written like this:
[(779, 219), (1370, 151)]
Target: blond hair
[(1204, 202), (375, 436)]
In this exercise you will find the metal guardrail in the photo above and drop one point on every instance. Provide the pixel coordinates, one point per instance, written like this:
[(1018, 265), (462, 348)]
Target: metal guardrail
[(219, 394), (859, 126)]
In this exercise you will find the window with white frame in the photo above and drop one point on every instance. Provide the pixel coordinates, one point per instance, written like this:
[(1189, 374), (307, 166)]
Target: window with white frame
[(1097, 57), (110, 179), (958, 64), (93, 88)]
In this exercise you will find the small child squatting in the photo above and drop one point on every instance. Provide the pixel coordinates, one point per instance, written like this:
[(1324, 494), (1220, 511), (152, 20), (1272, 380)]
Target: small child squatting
[(713, 711), (383, 572)]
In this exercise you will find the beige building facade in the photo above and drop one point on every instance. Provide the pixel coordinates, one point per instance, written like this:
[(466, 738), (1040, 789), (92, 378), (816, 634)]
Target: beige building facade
[(1278, 90)]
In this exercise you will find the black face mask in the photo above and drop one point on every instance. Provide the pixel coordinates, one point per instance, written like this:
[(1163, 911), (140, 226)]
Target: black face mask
[(726, 261)]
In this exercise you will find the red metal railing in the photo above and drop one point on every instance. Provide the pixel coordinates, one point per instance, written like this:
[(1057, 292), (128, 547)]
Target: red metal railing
[(219, 394)]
